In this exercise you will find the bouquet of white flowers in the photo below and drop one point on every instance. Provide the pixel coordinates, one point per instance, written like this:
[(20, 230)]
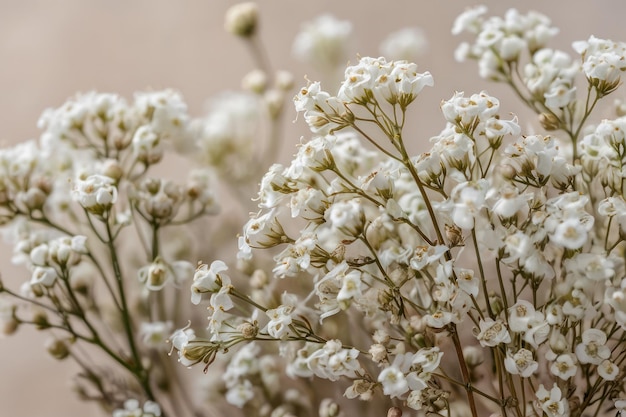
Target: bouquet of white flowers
[(482, 277)]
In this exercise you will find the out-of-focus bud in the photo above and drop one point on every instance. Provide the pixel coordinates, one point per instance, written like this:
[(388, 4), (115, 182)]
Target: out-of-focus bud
[(113, 170), (40, 318), (507, 171), (242, 19), (329, 408), (620, 107), (496, 303), (394, 412), (248, 330), (473, 355), (275, 102), (549, 121), (57, 348), (254, 81), (283, 80)]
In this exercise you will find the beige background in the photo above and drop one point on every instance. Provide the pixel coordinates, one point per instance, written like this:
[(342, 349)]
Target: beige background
[(49, 49)]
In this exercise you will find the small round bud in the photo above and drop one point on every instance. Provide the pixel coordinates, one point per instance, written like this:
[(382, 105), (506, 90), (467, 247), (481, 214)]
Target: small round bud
[(549, 121), (507, 171), (329, 408), (259, 279), (378, 352), (40, 318), (394, 412), (9, 326), (496, 303), (283, 80), (255, 81), (620, 107), (275, 102), (113, 170), (248, 330), (34, 198), (242, 19), (473, 355), (57, 348)]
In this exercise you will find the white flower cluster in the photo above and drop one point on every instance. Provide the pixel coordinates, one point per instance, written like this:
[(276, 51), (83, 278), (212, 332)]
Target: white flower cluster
[(132, 409), (491, 241)]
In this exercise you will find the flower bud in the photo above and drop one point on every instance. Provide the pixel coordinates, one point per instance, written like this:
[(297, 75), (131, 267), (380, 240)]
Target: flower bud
[(40, 318), (113, 170), (242, 19), (248, 330), (329, 408), (9, 326), (283, 80), (549, 121), (473, 355), (378, 352), (394, 412), (558, 343), (57, 348), (255, 81), (496, 303)]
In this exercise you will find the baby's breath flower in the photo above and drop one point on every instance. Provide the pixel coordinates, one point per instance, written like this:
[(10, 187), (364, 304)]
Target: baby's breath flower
[(208, 279), (96, 193), (407, 44), (242, 19), (493, 332), (521, 363), (324, 42)]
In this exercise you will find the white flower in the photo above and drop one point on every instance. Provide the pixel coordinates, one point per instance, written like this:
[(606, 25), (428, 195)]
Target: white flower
[(521, 363), (280, 320), (608, 370), (333, 361), (155, 334), (467, 281), (552, 402), (324, 42), (427, 255), (208, 279), (240, 394), (132, 409), (570, 233), (520, 316), (405, 44), (347, 216), (159, 273), (96, 193), (43, 275), (593, 347), (492, 333), (468, 199), (393, 381), (470, 20), (179, 340), (564, 366)]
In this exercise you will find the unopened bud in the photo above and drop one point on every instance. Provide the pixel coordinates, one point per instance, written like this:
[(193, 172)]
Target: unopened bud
[(248, 330), (496, 303), (57, 348), (255, 81), (394, 412), (40, 318), (113, 170), (242, 19), (549, 121), (473, 355), (283, 80), (507, 171)]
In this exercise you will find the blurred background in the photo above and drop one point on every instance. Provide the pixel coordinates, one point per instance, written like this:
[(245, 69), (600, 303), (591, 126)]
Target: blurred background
[(49, 50)]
